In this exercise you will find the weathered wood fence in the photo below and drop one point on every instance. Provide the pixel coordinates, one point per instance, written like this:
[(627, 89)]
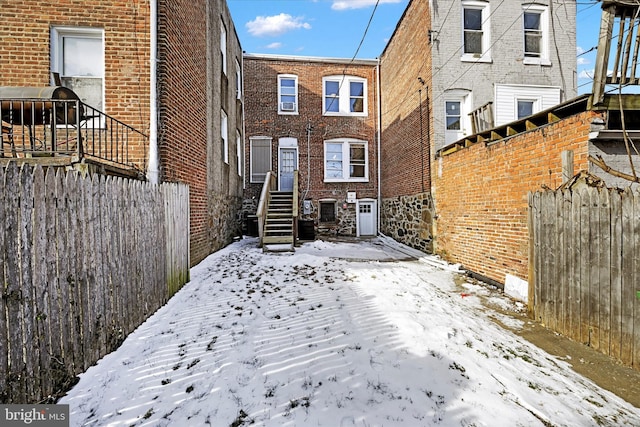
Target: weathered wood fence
[(585, 267), (84, 261)]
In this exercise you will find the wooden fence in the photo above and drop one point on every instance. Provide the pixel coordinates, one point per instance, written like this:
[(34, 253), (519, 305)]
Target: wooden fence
[(85, 261), (585, 267)]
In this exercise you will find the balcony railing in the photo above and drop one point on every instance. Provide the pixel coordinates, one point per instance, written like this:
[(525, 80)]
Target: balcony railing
[(37, 128)]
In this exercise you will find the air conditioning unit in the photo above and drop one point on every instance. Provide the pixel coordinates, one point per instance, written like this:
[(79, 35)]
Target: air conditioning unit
[(287, 106)]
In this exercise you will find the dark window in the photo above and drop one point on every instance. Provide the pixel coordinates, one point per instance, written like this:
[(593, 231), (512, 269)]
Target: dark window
[(327, 211)]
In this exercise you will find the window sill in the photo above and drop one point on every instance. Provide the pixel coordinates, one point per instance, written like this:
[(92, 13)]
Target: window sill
[(345, 114), (329, 181), (287, 113), (476, 58), (537, 61)]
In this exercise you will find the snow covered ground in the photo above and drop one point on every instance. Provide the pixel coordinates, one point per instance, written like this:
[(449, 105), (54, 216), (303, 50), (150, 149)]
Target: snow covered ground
[(336, 335)]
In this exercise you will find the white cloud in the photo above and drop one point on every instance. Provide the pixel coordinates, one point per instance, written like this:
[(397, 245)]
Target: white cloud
[(583, 61), (275, 25), (357, 4), (275, 45)]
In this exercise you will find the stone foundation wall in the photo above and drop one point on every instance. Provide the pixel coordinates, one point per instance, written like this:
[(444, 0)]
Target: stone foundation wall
[(409, 220), (224, 220)]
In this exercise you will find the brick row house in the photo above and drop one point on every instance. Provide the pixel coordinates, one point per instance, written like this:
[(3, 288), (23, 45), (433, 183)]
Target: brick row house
[(168, 72), (317, 116)]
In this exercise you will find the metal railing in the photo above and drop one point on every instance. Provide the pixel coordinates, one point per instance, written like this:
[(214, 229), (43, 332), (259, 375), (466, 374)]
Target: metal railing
[(62, 127)]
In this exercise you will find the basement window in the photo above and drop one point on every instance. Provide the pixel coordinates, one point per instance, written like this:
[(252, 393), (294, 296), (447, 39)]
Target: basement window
[(328, 211)]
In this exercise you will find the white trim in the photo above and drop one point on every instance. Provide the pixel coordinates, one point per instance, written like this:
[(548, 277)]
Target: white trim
[(294, 108), (56, 40), (346, 159), (485, 56), (344, 95), (223, 46), (239, 147), (544, 29), (224, 134)]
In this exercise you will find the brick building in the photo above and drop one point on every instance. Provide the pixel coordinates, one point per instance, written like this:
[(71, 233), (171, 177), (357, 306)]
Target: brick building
[(455, 70), (318, 116), (171, 70)]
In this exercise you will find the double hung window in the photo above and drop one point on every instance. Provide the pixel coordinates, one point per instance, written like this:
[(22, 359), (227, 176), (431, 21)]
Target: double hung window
[(287, 94), (344, 96), (475, 31), (536, 34), (77, 56), (346, 160)]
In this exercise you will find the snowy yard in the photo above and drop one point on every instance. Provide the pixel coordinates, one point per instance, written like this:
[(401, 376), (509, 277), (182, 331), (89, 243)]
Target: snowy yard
[(336, 335)]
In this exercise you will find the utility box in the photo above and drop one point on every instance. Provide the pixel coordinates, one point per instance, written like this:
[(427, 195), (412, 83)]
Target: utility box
[(306, 207)]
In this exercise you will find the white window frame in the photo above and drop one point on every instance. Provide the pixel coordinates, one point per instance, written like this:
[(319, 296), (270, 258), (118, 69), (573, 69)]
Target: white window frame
[(294, 110), (224, 133), (58, 35), (223, 46), (252, 173), (543, 11), (535, 105), (238, 80), (239, 152), (485, 56), (344, 95), (345, 159)]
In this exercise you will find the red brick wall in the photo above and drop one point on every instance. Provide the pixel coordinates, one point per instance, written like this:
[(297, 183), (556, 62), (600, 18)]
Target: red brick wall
[(25, 52), (261, 93), (481, 195), (405, 145)]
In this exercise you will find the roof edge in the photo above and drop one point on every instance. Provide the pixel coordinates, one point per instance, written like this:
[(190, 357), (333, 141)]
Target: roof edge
[(272, 57)]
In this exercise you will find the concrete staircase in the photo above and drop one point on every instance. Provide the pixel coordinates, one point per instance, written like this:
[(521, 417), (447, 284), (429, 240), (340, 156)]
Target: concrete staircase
[(278, 227)]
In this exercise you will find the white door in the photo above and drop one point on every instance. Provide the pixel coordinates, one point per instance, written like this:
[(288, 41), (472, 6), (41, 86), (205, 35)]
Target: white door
[(286, 166), (366, 218)]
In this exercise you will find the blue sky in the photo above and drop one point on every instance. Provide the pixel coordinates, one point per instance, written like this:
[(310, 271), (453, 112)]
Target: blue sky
[(335, 28)]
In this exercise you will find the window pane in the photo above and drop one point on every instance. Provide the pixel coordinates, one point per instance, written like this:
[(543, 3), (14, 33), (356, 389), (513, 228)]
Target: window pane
[(453, 123), (356, 89), (453, 108), (472, 42), (331, 88), (532, 42), (473, 19), (453, 115), (357, 153), (357, 105), (331, 104), (531, 21), (525, 108), (333, 161), (82, 57), (287, 83)]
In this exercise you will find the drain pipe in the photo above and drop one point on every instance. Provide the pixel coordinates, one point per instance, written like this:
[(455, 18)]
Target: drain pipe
[(153, 171), (378, 102)]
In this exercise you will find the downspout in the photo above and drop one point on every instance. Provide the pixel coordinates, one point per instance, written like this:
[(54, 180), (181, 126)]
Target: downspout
[(153, 171), (379, 126)]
